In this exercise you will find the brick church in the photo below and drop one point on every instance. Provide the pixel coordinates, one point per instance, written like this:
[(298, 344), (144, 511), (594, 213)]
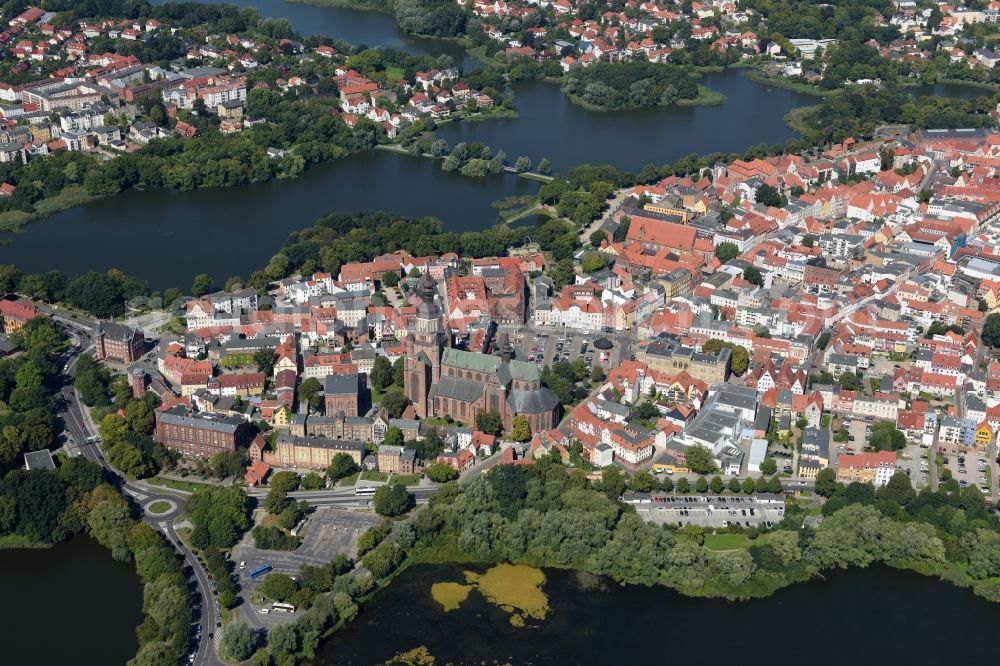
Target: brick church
[(441, 381)]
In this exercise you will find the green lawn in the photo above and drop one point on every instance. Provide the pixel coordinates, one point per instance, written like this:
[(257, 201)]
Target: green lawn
[(349, 480), (725, 541), (186, 486), (159, 506), (409, 480), (394, 73), (372, 475)]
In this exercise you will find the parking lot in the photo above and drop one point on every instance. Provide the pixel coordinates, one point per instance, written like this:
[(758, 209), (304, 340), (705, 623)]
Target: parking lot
[(545, 347), (969, 469), (709, 510), (328, 533)]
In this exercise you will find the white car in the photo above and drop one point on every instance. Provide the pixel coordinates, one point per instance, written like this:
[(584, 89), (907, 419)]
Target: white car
[(264, 611)]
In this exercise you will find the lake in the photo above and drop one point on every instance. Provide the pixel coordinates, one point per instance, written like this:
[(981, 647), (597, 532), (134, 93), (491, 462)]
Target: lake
[(71, 604), (551, 126), (861, 615), (167, 237), (357, 26)]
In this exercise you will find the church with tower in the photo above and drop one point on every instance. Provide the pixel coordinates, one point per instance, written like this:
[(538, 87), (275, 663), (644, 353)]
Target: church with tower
[(442, 381)]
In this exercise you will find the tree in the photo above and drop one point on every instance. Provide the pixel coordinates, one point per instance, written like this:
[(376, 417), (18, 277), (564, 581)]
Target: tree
[(520, 430), (277, 500), (808, 240), (826, 482), (749, 486), (752, 275), (341, 465), (700, 459), (726, 252), (278, 586), (597, 237), (716, 485), (488, 421), (642, 482), (265, 359), (238, 641), (767, 195), (768, 466), (391, 500), (522, 164), (109, 522), (850, 381), (701, 485), (597, 374), (347, 610), (390, 279), (991, 330), (898, 490), (544, 166), (886, 437), (381, 373), (441, 472), (202, 284), (393, 436), (310, 393), (735, 486), (592, 262), (394, 401), (683, 485)]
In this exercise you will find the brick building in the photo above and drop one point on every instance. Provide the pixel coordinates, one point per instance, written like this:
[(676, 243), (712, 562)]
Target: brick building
[(116, 342), (397, 460), (201, 434), (342, 393)]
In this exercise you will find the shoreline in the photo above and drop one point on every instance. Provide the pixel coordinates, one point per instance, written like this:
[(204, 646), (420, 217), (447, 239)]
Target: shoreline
[(755, 75), (706, 97), (14, 221)]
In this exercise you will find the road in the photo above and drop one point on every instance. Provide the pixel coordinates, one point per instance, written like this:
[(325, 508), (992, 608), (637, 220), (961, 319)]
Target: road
[(83, 439)]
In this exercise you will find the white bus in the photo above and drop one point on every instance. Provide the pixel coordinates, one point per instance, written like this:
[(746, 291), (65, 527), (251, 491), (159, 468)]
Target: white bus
[(365, 490), (283, 608)]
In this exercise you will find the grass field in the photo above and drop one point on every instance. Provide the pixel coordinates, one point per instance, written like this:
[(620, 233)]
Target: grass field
[(725, 541), (409, 480), (394, 73), (159, 506), (186, 486), (372, 475), (349, 480)]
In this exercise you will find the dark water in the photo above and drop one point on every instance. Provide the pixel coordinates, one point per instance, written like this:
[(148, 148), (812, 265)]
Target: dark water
[(864, 617), (956, 90), (167, 237), (551, 126), (356, 26), (71, 604)]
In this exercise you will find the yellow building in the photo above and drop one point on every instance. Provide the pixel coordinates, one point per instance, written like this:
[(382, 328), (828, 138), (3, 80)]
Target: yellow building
[(314, 452), (670, 464), (668, 210), (984, 436)]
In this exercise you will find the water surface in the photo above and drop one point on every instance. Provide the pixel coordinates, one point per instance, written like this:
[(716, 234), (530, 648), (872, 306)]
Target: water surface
[(864, 616), (71, 604)]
